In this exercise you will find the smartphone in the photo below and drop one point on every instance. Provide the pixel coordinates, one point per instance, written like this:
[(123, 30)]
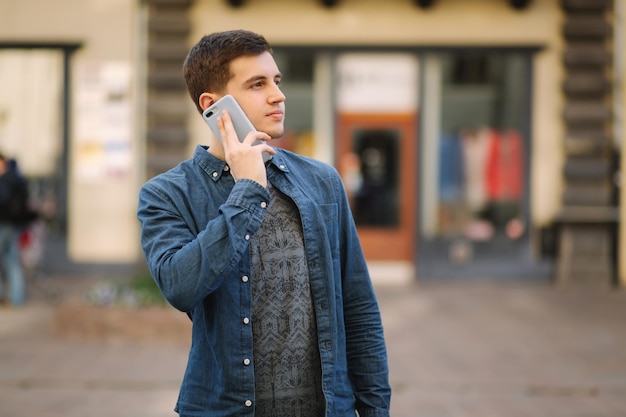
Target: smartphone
[(241, 123)]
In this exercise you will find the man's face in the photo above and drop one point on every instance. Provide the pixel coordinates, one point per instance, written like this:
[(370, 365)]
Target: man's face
[(255, 84)]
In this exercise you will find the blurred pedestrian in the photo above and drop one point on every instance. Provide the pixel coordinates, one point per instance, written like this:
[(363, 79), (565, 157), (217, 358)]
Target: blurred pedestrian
[(15, 214), (265, 259)]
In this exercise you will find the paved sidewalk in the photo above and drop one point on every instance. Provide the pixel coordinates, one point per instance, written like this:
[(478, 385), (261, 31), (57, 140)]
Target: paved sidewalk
[(480, 350), (456, 350)]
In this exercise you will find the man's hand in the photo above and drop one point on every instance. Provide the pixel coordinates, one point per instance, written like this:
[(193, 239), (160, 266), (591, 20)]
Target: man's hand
[(244, 158)]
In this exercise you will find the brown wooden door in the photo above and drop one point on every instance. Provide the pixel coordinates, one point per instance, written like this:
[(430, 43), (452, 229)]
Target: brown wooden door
[(376, 155)]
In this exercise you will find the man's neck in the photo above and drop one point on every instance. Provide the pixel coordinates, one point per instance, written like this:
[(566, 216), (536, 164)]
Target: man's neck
[(216, 149)]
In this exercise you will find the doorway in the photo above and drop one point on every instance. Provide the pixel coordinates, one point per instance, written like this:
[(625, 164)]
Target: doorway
[(376, 160), (376, 125)]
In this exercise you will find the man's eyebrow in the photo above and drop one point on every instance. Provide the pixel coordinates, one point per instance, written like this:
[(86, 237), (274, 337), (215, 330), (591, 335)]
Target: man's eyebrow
[(256, 78)]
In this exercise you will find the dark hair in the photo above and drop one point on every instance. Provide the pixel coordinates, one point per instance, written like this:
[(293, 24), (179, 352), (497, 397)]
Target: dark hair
[(207, 66)]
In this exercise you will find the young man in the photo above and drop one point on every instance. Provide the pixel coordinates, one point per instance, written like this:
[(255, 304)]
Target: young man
[(265, 259)]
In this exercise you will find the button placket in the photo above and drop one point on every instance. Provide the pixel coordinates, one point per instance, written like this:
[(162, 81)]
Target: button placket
[(246, 321)]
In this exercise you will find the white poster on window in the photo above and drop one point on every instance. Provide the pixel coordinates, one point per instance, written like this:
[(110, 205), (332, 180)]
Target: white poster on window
[(102, 121), (377, 83)]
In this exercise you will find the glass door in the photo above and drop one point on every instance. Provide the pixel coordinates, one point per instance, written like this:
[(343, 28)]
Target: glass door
[(376, 161), (376, 122)]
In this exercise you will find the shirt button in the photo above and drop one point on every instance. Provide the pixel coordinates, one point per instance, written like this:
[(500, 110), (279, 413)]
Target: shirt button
[(244, 278), (246, 361), (215, 174), (282, 167), (246, 320), (247, 237), (263, 204), (226, 168), (248, 403)]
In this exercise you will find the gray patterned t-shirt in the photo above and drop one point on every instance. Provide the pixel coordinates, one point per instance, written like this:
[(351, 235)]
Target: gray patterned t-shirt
[(287, 370)]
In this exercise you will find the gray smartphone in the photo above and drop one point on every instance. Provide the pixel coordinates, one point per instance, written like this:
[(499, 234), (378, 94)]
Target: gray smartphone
[(241, 123)]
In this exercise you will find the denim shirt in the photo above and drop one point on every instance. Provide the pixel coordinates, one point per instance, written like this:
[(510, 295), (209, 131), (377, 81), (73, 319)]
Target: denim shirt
[(196, 225)]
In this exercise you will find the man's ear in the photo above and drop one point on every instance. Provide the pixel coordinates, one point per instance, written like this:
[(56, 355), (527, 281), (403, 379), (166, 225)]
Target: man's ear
[(207, 99)]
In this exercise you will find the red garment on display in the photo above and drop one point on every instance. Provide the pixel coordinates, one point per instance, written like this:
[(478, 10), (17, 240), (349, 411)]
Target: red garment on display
[(504, 168)]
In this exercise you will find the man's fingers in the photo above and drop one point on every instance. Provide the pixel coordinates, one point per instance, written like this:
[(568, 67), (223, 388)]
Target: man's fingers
[(228, 133), (226, 128), (267, 148), (231, 142), (254, 136)]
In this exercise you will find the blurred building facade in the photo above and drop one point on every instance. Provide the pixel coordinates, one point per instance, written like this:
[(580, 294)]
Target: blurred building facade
[(476, 138)]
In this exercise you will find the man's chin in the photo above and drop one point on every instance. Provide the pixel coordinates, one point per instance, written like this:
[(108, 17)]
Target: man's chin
[(276, 134)]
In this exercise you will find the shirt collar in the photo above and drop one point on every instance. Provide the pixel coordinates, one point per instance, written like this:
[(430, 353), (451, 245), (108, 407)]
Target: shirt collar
[(278, 160), (209, 163), (215, 167)]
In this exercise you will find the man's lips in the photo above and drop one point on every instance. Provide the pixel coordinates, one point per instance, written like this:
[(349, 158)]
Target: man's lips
[(276, 115)]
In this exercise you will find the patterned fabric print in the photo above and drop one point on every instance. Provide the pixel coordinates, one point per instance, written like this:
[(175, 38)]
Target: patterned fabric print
[(287, 370)]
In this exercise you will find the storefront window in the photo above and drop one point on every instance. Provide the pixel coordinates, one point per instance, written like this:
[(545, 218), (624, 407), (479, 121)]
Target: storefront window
[(475, 149)]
